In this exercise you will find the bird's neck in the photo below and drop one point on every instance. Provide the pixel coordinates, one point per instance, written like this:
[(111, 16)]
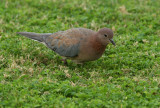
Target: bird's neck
[(97, 45)]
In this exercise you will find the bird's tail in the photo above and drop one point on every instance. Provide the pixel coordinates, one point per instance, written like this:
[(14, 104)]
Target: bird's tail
[(35, 36)]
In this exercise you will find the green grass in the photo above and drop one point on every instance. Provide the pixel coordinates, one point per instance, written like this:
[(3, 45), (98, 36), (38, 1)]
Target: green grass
[(127, 75)]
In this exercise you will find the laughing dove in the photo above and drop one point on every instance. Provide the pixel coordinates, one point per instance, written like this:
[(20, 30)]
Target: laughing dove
[(78, 44)]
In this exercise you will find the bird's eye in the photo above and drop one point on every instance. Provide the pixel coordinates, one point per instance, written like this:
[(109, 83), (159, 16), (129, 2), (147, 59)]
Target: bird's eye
[(105, 35)]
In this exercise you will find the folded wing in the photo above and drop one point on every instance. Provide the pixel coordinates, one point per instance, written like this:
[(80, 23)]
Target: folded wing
[(64, 43)]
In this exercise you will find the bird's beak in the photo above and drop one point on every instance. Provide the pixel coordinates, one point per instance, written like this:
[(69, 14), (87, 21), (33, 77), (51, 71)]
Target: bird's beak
[(111, 40)]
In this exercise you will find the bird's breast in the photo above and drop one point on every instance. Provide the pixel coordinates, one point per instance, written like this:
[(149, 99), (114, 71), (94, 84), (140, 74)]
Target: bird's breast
[(90, 50), (97, 46)]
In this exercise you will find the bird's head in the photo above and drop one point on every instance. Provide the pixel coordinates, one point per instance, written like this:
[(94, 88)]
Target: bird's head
[(106, 36)]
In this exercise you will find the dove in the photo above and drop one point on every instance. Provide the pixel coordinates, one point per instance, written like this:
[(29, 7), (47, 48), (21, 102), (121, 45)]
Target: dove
[(78, 44)]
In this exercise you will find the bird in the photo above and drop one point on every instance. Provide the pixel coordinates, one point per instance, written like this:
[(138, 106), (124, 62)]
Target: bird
[(78, 44)]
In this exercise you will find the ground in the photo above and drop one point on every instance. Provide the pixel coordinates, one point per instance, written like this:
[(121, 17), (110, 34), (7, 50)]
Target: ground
[(127, 75)]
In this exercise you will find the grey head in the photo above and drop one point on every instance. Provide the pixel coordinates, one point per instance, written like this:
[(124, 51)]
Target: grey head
[(106, 36)]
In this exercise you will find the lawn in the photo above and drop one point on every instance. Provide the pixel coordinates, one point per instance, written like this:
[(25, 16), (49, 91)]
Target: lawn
[(127, 75)]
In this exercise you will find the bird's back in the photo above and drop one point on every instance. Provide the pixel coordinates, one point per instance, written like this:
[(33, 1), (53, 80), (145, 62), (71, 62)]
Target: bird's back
[(79, 32)]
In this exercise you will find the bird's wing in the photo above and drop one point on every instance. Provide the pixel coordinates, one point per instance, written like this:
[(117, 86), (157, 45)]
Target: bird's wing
[(66, 43)]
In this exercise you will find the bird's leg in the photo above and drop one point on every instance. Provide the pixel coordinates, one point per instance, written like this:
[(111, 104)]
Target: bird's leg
[(77, 62), (65, 61)]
